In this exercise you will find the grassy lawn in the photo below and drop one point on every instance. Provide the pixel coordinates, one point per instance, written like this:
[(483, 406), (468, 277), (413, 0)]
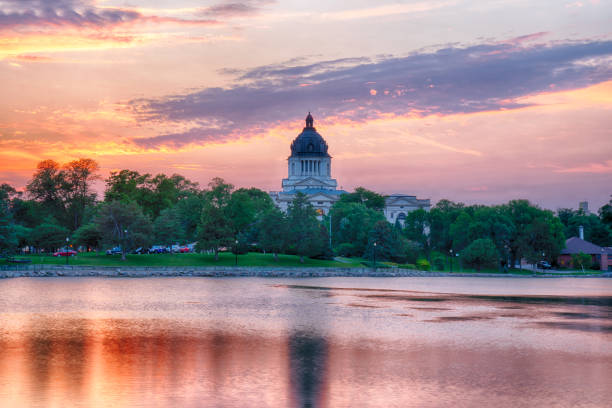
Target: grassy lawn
[(225, 259)]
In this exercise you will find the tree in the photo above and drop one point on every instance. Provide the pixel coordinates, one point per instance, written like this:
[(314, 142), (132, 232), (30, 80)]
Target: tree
[(46, 187), (78, 176), (481, 253), (152, 193), (460, 231), (167, 227), (189, 211), (124, 224), (605, 213), (8, 236), (581, 260), (49, 235), (88, 235), (351, 224), (416, 226), (390, 246), (441, 217), (215, 228), (303, 226), (273, 231), (366, 197)]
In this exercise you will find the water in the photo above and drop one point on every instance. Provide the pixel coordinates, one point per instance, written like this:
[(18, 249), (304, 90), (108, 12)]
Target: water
[(328, 342)]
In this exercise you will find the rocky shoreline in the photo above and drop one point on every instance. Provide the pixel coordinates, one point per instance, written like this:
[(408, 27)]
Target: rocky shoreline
[(18, 271)]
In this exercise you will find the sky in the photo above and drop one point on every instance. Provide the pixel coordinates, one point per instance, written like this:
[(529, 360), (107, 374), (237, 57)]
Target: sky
[(473, 101)]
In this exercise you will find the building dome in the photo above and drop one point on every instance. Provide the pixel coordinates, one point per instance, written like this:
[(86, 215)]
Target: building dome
[(309, 142)]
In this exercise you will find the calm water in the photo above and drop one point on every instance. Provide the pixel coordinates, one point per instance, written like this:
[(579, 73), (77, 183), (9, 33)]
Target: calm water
[(329, 342)]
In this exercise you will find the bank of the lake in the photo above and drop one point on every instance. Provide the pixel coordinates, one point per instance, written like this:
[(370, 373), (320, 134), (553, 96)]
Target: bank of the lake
[(42, 270)]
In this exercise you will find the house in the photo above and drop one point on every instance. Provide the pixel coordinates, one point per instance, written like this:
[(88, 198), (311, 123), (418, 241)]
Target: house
[(601, 256)]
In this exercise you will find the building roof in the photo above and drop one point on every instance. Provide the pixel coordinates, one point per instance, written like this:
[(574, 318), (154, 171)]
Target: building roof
[(576, 245), (311, 191), (309, 143)]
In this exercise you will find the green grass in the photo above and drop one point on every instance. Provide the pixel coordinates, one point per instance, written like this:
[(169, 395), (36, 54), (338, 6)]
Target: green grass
[(225, 259)]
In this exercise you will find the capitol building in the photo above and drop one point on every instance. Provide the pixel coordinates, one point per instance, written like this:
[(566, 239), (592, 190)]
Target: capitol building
[(310, 172)]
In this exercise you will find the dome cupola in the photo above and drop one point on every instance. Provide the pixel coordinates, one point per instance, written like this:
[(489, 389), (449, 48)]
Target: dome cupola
[(309, 142)]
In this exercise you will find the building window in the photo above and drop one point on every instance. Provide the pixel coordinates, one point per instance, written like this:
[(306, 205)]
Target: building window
[(319, 202)]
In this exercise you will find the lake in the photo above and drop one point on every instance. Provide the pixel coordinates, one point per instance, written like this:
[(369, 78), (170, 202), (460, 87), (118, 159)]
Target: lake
[(321, 342)]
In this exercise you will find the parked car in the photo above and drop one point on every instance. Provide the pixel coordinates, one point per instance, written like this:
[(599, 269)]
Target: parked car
[(140, 251), (158, 249), (65, 252), (114, 251), (543, 265), (184, 249)]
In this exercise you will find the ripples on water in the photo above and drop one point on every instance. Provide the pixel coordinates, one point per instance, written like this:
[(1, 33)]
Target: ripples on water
[(337, 342)]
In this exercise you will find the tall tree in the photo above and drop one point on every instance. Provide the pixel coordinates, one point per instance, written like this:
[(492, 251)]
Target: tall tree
[(167, 227), (124, 224), (481, 253), (215, 228), (77, 189), (351, 226), (304, 228), (47, 187), (8, 234), (273, 231)]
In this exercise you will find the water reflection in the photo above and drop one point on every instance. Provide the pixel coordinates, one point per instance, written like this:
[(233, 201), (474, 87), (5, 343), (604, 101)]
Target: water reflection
[(244, 343)]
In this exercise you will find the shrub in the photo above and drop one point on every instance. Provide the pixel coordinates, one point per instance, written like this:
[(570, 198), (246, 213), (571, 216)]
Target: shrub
[(411, 266), (439, 263), (346, 249), (423, 264)]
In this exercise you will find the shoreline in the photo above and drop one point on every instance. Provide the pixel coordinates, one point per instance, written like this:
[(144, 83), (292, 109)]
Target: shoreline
[(248, 271)]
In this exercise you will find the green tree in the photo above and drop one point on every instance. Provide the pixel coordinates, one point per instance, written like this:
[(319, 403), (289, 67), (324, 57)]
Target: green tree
[(88, 235), (481, 253), (152, 193), (390, 246), (581, 260), (304, 228), (47, 186), (189, 211), (167, 227), (366, 197), (416, 226), (8, 236), (441, 217), (124, 224), (77, 190), (273, 231), (49, 236), (216, 228), (460, 231), (351, 224)]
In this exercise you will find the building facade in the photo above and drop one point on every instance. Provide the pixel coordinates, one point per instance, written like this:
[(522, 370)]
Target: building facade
[(309, 171)]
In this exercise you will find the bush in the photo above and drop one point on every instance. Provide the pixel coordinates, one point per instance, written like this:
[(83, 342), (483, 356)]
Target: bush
[(423, 264), (439, 263), (411, 266), (346, 249), (481, 253)]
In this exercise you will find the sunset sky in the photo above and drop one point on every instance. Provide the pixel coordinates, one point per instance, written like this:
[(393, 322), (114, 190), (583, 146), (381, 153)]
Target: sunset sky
[(474, 101)]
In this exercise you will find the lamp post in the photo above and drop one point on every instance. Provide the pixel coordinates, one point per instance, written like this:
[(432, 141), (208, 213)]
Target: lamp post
[(124, 247), (459, 261), (451, 260), (236, 252), (67, 241), (374, 255)]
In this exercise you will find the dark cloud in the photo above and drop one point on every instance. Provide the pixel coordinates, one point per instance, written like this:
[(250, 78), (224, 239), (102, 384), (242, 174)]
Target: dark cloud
[(230, 9), (452, 80), (72, 13), (60, 13)]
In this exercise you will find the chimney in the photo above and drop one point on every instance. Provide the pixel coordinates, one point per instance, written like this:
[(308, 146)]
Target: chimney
[(581, 232)]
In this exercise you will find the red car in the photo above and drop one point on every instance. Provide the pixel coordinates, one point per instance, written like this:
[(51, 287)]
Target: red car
[(183, 250), (65, 253)]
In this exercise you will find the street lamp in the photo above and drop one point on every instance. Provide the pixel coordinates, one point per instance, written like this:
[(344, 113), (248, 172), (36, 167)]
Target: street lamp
[(123, 249), (67, 241), (374, 254), (451, 260), (236, 252)]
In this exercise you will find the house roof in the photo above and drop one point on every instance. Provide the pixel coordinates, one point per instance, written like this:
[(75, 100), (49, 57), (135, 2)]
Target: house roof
[(576, 245)]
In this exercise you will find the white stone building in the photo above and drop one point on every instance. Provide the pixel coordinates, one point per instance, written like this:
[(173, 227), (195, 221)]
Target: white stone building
[(309, 172)]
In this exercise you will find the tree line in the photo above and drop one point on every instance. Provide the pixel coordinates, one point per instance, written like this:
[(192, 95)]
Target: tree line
[(139, 210)]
